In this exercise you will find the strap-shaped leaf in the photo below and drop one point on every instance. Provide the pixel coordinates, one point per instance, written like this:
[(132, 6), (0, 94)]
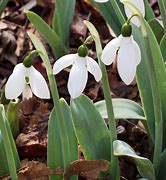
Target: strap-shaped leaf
[(11, 154), (3, 165), (162, 47), (3, 4), (91, 130), (123, 109), (58, 155), (62, 19), (162, 174), (110, 15), (144, 165), (157, 28), (50, 36)]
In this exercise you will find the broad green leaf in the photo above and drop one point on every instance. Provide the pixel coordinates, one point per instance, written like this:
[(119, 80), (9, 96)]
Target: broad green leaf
[(162, 7), (123, 109), (62, 19), (50, 36), (9, 145), (12, 116), (163, 47), (144, 165), (91, 130), (108, 12), (162, 174), (3, 4), (149, 14), (157, 28), (3, 165), (144, 79), (58, 155)]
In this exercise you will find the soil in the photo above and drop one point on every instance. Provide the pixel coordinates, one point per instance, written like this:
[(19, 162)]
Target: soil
[(34, 113)]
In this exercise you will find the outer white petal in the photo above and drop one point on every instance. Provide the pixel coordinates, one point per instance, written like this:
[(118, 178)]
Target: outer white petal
[(16, 82), (27, 93), (101, 1), (78, 78), (94, 68), (137, 52), (109, 52), (126, 63), (140, 5), (37, 83), (64, 62)]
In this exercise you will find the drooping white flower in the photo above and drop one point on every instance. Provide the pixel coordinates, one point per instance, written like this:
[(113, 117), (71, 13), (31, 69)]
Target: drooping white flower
[(128, 56), (79, 72), (26, 80), (139, 4)]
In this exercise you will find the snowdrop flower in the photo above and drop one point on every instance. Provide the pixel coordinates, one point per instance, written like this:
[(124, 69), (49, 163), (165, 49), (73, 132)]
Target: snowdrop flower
[(81, 64), (139, 4), (126, 51), (26, 80)]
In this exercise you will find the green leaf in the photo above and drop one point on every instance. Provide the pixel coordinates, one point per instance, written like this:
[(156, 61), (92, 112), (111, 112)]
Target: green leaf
[(63, 17), (3, 4), (9, 145), (3, 165), (162, 7), (144, 165), (123, 109), (162, 174), (162, 47), (157, 28), (56, 140), (109, 14), (50, 36), (12, 116), (149, 14), (91, 130)]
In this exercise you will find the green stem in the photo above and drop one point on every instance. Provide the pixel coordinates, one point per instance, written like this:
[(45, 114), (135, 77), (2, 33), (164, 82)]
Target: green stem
[(114, 167), (7, 145), (133, 15), (157, 106), (162, 7), (61, 122), (54, 91), (89, 38)]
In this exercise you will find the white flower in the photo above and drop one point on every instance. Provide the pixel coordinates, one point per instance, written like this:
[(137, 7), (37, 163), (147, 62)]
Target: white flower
[(79, 72), (139, 4), (20, 80), (128, 57)]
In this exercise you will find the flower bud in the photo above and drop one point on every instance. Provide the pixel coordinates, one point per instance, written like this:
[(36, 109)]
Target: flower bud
[(82, 51), (27, 61), (126, 30)]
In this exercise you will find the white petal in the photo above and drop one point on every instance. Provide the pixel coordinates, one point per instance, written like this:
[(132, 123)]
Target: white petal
[(94, 68), (38, 84), (137, 52), (64, 62), (126, 63), (27, 93), (141, 7), (101, 1), (109, 52), (16, 82), (78, 78)]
